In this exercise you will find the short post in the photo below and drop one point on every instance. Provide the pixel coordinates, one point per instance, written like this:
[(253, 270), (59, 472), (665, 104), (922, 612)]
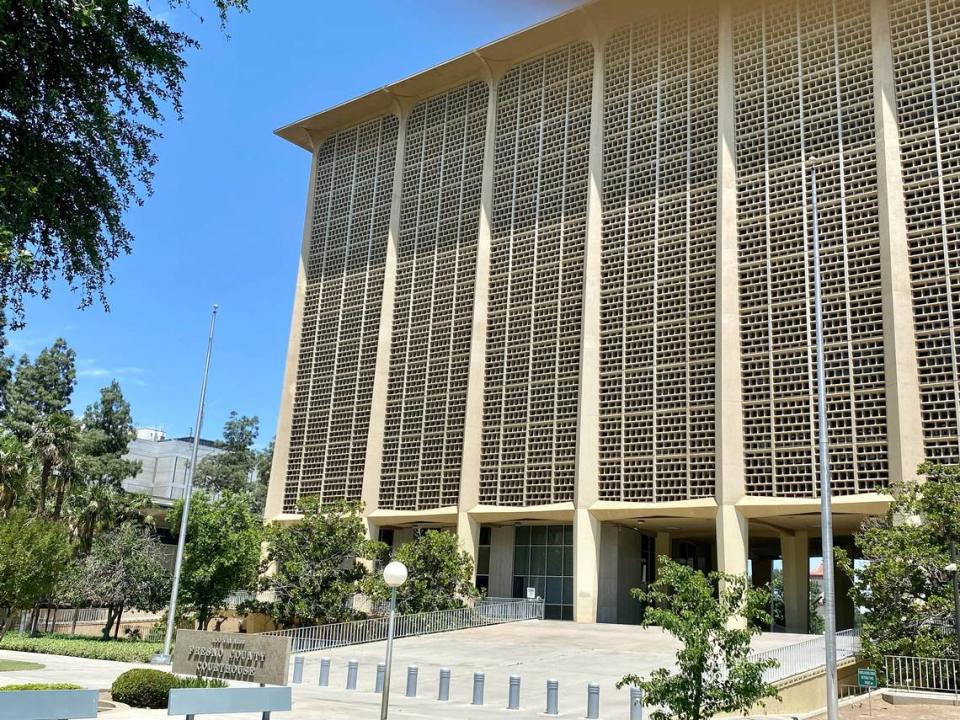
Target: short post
[(352, 667), (593, 701), (324, 672), (513, 698), (298, 669), (553, 690), (381, 671), (636, 703), (443, 694), (412, 680), (478, 678)]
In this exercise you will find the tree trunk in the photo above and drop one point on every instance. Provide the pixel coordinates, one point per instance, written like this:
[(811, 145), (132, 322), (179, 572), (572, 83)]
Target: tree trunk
[(46, 621), (61, 493), (42, 495), (116, 633), (34, 617), (105, 632), (73, 625)]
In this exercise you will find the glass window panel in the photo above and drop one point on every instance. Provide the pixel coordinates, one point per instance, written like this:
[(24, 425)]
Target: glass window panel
[(483, 560), (521, 560), (568, 535), (538, 560), (523, 535), (554, 590), (567, 591), (566, 612), (555, 535), (568, 561), (554, 561), (538, 535), (553, 612), (484, 534)]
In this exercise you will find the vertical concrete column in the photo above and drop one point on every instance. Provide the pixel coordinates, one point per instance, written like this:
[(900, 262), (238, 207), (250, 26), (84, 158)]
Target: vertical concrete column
[(732, 541), (370, 491), (795, 551), (729, 401), (662, 546), (281, 453), (845, 607), (468, 532), (586, 528), (904, 426), (473, 419)]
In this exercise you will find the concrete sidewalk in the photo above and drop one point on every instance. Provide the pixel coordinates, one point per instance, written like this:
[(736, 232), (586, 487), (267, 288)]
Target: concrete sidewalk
[(536, 650)]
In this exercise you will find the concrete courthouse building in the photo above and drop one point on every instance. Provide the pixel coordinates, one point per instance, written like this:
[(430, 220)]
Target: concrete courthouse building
[(556, 293)]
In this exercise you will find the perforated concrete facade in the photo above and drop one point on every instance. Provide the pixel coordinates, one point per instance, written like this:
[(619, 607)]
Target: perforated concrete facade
[(566, 278)]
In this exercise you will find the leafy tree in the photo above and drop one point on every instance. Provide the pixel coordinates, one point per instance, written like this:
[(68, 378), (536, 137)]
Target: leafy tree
[(222, 551), (232, 469), (905, 585), (316, 563), (83, 93), (54, 440), (262, 470), (16, 468), (440, 575), (99, 500), (33, 554), (778, 611), (124, 569), (42, 387), (706, 614)]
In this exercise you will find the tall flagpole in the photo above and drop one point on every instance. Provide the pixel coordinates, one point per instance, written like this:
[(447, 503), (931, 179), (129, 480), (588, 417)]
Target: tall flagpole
[(826, 510), (164, 657)]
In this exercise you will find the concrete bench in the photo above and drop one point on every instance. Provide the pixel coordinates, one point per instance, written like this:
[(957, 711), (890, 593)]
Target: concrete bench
[(48, 704), (205, 701)]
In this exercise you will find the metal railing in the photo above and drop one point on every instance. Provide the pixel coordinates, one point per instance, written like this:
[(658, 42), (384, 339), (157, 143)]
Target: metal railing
[(50, 620), (807, 655), (904, 672), (490, 611)]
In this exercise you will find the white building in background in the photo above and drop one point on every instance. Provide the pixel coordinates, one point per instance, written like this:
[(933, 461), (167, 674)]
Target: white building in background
[(164, 464)]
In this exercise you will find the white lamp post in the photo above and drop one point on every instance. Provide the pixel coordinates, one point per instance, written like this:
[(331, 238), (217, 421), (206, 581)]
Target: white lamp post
[(394, 575)]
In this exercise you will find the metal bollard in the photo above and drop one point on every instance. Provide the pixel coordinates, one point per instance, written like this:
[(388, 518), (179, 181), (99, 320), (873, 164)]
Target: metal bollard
[(298, 669), (352, 668), (443, 694), (636, 703), (593, 701), (478, 678), (325, 672), (412, 681), (553, 690), (381, 671), (513, 698)]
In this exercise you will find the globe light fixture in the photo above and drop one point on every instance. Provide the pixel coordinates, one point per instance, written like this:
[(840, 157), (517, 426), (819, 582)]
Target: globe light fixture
[(394, 575)]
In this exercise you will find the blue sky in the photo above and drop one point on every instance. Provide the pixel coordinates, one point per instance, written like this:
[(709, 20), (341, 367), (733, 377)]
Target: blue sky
[(225, 222)]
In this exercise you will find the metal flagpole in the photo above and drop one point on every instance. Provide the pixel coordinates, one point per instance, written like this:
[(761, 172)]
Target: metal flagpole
[(164, 657), (826, 511)]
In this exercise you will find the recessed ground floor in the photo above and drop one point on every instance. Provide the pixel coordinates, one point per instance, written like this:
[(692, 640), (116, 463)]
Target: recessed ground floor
[(584, 563)]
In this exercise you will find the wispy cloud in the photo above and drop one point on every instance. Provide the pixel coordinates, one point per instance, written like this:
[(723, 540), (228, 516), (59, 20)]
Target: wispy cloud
[(129, 375)]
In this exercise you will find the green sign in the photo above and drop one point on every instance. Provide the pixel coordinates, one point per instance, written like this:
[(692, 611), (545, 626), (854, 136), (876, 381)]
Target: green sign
[(867, 678)]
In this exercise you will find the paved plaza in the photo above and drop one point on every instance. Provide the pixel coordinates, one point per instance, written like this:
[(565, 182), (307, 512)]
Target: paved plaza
[(570, 653)]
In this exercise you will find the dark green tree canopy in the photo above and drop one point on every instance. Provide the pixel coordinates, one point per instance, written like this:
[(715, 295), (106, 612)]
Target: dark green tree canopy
[(83, 90), (40, 388)]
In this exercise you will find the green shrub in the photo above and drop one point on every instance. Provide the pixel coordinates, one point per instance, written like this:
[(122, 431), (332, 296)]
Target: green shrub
[(120, 650), (143, 688), (40, 686)]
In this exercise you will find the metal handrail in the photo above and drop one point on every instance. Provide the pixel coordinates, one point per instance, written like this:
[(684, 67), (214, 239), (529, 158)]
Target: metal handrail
[(806, 656), (357, 632), (906, 672)]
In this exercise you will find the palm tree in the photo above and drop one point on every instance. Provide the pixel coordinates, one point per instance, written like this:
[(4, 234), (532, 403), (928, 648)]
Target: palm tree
[(53, 442), (16, 467)]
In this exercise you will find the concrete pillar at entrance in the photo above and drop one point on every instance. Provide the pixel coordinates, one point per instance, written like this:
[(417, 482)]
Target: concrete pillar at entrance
[(761, 571), (468, 531), (586, 565), (502, 540), (795, 550), (731, 541), (663, 546), (844, 603)]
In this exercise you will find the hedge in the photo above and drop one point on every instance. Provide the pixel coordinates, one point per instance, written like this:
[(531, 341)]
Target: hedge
[(122, 650), (40, 686), (143, 688)]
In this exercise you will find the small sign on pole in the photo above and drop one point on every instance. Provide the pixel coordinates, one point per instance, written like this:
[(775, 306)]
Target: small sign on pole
[(531, 593), (867, 677)]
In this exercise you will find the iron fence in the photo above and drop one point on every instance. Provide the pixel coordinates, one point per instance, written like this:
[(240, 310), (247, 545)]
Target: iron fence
[(490, 611), (807, 655), (61, 619), (904, 672)]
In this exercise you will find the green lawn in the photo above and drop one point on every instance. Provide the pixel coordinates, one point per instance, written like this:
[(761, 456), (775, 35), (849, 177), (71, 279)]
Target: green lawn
[(40, 686), (85, 647), (11, 665)]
